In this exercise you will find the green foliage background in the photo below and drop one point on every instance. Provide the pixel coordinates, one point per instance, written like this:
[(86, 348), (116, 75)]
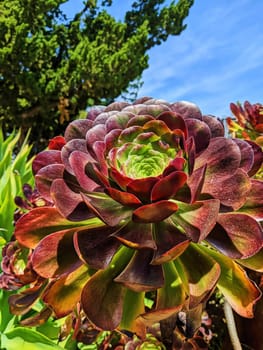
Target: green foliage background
[(52, 67)]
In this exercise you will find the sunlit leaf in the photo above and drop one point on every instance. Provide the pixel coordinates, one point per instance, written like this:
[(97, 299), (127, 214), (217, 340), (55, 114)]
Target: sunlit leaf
[(27, 339), (238, 289)]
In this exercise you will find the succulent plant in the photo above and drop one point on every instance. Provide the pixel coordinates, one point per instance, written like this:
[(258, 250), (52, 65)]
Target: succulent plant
[(249, 121), (149, 201)]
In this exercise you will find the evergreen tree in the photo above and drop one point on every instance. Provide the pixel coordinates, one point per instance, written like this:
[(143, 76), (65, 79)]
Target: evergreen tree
[(52, 67)]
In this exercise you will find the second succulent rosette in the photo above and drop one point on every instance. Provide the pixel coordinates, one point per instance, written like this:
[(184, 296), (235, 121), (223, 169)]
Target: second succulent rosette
[(149, 200)]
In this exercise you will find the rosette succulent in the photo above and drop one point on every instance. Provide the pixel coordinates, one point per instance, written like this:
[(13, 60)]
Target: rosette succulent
[(150, 202), (249, 121)]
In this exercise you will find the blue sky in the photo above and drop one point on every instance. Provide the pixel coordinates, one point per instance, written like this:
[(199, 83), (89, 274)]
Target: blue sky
[(218, 59)]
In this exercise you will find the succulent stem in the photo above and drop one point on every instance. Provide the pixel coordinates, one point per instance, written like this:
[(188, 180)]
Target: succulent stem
[(231, 326)]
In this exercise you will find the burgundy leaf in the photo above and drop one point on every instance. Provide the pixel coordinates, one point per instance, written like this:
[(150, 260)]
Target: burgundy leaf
[(116, 106), (258, 158), (222, 188), (106, 208), (120, 179), (173, 121), (63, 294), (46, 158), (202, 272), (247, 154), (140, 275), (94, 112), (102, 298), (69, 203), (176, 164), (89, 243), (96, 133), (77, 129), (71, 146), (167, 187), (137, 236), (197, 219), (102, 301), (46, 176), (139, 120), (237, 235), (125, 198), (118, 120), (92, 171), (22, 302), (142, 187), (222, 157), (254, 200), (39, 223), (99, 148), (216, 126), (195, 183), (55, 254), (187, 109), (154, 212), (111, 139), (37, 319), (170, 242), (200, 132), (190, 147), (78, 161)]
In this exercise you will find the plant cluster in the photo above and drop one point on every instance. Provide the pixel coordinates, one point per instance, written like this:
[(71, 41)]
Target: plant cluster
[(148, 208)]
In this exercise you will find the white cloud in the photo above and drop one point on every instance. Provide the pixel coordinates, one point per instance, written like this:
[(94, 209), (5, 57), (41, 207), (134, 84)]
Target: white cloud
[(217, 60)]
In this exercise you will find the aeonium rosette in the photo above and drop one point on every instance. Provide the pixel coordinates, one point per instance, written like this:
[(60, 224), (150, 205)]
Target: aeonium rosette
[(147, 197)]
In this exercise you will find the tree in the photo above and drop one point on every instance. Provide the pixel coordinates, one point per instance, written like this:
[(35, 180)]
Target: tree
[(52, 67)]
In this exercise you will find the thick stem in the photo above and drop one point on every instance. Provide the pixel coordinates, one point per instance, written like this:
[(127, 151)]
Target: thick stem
[(231, 326)]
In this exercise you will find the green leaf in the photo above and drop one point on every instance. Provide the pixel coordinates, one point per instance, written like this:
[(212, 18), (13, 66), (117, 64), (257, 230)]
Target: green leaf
[(102, 298), (5, 315), (202, 271), (173, 294), (129, 315), (27, 339), (238, 289), (40, 222), (65, 293), (255, 262)]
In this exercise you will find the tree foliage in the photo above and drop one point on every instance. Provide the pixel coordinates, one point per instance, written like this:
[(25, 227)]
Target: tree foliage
[(53, 66)]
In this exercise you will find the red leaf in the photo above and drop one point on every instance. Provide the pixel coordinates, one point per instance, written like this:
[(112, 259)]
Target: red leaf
[(40, 222), (173, 121), (237, 235), (78, 161), (241, 293), (102, 300), (202, 272), (167, 187), (55, 254), (139, 275), (69, 203), (46, 176), (22, 302), (136, 235), (46, 158), (170, 242), (124, 198), (64, 294), (154, 212), (56, 143), (197, 219), (142, 187), (106, 208), (95, 246)]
